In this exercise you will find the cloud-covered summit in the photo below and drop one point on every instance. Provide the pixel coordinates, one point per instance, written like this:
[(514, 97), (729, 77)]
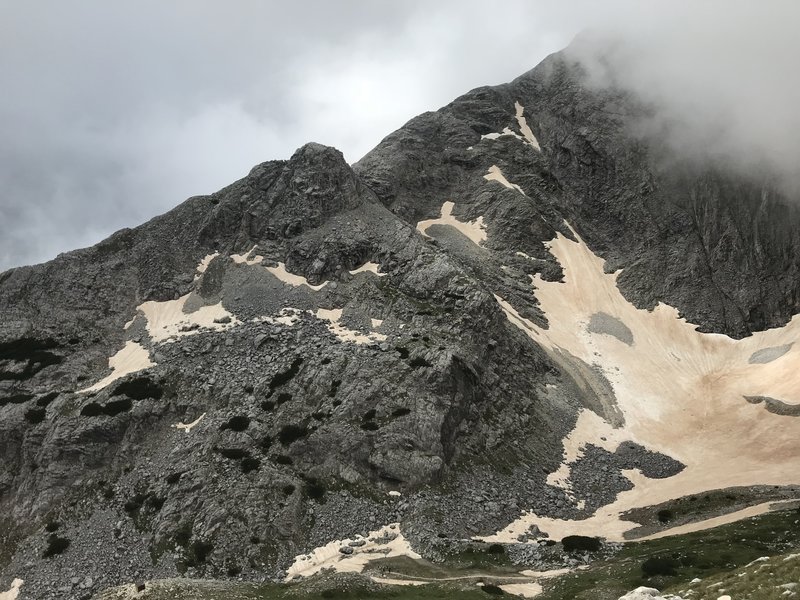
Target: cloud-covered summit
[(111, 114)]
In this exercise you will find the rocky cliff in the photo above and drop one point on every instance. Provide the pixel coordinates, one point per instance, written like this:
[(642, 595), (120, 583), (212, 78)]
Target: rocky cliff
[(249, 375)]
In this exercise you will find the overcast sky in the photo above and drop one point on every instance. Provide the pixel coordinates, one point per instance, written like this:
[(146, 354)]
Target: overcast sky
[(114, 112)]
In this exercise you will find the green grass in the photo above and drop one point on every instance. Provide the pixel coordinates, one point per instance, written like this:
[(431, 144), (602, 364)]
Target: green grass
[(326, 587), (702, 554), (757, 581), (716, 556)]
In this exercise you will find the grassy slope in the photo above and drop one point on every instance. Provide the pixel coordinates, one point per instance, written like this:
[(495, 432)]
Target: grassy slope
[(716, 556)]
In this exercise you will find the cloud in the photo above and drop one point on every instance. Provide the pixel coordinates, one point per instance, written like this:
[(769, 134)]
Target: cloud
[(113, 113), (721, 77)]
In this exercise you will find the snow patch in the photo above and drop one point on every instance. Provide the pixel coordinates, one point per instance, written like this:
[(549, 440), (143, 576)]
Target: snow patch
[(247, 258), (495, 174), (474, 230), (294, 280), (132, 358), (13, 591), (386, 542), (201, 268), (287, 316), (368, 267), (187, 427), (524, 128), (167, 321), (526, 590), (343, 333), (680, 392), (506, 131)]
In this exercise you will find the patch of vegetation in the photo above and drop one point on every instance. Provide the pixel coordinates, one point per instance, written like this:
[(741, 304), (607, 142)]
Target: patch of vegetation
[(419, 362), (288, 489), (660, 565), (265, 443), (55, 545), (93, 409), (198, 552), (139, 388), (233, 453), (284, 377), (581, 543), (492, 590), (35, 416), (369, 426), (314, 489), (112, 408), (135, 503), (761, 580), (665, 515), (173, 478), (237, 423), (46, 399), (401, 412), (249, 464), (282, 459), (34, 353), (369, 415), (15, 399), (106, 490), (284, 397), (183, 534), (700, 554), (496, 549), (267, 405), (402, 351), (52, 526), (291, 433)]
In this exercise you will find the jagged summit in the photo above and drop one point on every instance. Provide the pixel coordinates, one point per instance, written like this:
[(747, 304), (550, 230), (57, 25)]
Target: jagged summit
[(430, 346)]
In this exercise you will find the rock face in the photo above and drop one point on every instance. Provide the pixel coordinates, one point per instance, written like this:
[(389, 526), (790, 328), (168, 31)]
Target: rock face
[(646, 593), (288, 350)]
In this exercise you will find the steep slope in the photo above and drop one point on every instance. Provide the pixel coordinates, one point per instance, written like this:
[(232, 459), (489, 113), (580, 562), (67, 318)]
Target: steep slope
[(427, 338)]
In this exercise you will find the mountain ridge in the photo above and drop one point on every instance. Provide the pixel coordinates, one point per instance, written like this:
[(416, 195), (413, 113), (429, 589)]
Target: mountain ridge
[(337, 335)]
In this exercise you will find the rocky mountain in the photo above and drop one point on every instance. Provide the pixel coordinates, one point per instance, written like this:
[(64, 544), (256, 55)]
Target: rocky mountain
[(514, 320)]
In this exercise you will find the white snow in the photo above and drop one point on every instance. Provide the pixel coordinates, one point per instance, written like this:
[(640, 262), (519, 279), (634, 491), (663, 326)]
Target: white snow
[(132, 358), (13, 591), (201, 268), (506, 131), (524, 128), (187, 427), (167, 320), (287, 316), (342, 332), (368, 267), (247, 259), (495, 174), (474, 230), (385, 542), (681, 392), (526, 590), (294, 280)]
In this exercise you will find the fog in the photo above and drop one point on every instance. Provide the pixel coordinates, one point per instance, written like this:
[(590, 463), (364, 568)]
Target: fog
[(114, 113)]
